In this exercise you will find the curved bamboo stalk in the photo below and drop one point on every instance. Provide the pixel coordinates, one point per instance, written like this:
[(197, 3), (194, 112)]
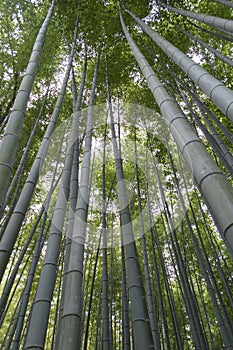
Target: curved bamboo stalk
[(212, 137), (212, 87), (205, 171), (211, 32), (219, 23), (9, 143), (205, 45), (222, 324), (17, 179), (11, 232), (206, 112), (208, 115), (27, 147), (224, 2)]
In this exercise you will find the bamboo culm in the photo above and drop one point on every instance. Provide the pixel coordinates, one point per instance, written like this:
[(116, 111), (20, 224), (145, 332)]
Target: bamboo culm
[(203, 168), (9, 143), (11, 232)]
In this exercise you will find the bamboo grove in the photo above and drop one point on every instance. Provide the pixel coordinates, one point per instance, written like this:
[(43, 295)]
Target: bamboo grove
[(116, 198)]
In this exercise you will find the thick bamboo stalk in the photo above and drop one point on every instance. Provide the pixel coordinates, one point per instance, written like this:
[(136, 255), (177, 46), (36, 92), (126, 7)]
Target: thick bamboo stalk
[(226, 25), (74, 186), (72, 303), (41, 307), (142, 335), (215, 89), (9, 143), (205, 45), (17, 179), (213, 184), (151, 311), (224, 2), (225, 328), (105, 308), (11, 232)]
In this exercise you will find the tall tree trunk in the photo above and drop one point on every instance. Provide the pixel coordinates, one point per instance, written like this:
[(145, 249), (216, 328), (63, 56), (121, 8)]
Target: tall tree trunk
[(9, 143), (205, 171), (105, 323), (141, 328), (215, 89), (16, 182), (151, 311), (219, 23), (39, 316), (74, 186), (11, 232), (72, 302), (205, 45)]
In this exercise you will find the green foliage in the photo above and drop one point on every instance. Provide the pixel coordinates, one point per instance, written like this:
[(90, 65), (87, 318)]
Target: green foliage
[(100, 31)]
